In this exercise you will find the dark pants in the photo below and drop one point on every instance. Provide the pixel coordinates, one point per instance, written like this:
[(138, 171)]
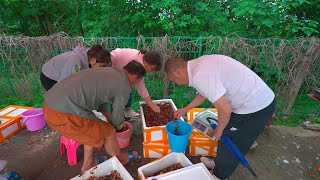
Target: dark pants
[(46, 82), (249, 126)]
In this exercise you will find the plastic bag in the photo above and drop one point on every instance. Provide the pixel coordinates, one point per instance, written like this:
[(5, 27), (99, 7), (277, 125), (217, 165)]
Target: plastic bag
[(12, 175), (3, 164)]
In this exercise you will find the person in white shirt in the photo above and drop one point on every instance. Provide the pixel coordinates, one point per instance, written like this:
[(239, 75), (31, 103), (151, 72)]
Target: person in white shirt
[(243, 100)]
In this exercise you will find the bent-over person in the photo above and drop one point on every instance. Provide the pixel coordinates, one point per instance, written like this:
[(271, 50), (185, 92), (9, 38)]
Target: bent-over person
[(69, 104)]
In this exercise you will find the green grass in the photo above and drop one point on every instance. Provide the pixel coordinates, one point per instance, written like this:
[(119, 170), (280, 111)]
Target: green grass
[(304, 108), (36, 101)]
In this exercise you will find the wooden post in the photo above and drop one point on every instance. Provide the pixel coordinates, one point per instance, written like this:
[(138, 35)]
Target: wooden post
[(300, 74), (165, 81)]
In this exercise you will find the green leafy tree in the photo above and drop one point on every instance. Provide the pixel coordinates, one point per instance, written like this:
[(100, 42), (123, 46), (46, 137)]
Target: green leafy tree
[(247, 18), (276, 18)]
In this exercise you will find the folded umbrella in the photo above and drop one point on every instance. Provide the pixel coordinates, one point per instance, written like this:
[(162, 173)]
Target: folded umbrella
[(232, 147)]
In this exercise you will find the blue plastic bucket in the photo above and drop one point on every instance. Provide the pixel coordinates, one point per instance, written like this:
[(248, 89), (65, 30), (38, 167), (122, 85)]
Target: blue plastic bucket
[(179, 142)]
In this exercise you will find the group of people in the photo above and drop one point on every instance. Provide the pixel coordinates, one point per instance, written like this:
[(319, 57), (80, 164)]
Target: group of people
[(87, 79)]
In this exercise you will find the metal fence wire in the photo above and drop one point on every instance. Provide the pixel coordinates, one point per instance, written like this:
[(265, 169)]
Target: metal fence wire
[(289, 66)]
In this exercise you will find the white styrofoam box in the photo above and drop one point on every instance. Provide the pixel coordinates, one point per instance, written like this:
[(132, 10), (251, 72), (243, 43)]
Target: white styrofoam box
[(159, 164), (10, 129), (197, 171), (17, 112), (155, 150), (105, 168), (6, 111), (157, 133), (3, 120)]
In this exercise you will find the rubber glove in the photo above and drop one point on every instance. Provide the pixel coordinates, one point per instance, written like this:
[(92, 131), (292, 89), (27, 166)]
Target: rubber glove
[(120, 126)]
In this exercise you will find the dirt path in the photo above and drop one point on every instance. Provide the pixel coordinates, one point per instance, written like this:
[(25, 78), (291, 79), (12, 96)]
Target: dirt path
[(283, 153)]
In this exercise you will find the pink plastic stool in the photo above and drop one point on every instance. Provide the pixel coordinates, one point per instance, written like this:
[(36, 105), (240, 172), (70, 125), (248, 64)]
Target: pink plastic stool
[(71, 146)]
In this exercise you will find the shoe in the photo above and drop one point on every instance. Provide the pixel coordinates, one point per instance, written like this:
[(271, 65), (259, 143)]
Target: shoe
[(209, 163), (129, 113), (254, 145)]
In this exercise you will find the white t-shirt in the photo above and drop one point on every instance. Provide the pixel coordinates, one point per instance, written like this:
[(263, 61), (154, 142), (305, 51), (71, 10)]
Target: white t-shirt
[(214, 76)]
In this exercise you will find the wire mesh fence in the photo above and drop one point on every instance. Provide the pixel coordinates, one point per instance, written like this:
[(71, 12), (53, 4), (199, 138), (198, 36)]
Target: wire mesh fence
[(287, 66)]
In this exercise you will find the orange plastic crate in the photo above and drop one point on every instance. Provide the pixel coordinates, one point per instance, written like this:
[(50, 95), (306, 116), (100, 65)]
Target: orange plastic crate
[(190, 116), (155, 150), (11, 122), (203, 147), (194, 111), (199, 144)]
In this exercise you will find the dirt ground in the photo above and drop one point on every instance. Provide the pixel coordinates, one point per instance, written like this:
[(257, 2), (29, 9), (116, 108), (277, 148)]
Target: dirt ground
[(283, 153)]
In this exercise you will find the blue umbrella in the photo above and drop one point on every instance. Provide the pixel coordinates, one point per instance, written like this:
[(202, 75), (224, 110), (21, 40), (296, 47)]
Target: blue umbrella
[(232, 148)]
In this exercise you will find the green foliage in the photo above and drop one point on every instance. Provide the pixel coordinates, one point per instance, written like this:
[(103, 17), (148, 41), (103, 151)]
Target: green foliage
[(250, 18), (277, 18)]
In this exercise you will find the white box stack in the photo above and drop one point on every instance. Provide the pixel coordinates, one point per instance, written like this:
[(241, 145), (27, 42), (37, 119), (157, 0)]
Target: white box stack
[(155, 142), (194, 172), (106, 168), (159, 164)]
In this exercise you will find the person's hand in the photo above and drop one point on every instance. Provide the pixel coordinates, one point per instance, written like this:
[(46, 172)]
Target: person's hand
[(217, 134), (120, 126), (155, 108), (180, 112)]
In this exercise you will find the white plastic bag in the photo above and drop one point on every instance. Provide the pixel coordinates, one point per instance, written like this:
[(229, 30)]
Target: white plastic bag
[(3, 178), (3, 164)]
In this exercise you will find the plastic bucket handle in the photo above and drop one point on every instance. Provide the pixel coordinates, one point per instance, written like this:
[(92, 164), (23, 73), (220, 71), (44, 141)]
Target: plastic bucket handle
[(26, 118)]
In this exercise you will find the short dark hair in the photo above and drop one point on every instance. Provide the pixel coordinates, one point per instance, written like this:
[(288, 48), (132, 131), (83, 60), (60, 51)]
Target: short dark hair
[(135, 68), (152, 58), (174, 63), (102, 55)]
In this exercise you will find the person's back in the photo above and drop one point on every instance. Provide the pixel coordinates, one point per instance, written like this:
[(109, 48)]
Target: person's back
[(81, 93), (122, 56), (53, 69), (245, 90)]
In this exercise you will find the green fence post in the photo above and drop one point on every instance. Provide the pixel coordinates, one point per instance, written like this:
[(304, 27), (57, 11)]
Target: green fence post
[(200, 47)]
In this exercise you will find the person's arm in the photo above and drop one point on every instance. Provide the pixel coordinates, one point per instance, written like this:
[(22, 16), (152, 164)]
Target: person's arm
[(118, 109), (213, 89), (224, 114), (198, 100), (143, 92), (153, 106), (103, 108)]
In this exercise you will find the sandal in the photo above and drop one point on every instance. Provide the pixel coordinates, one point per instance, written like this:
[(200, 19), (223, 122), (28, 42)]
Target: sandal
[(133, 157), (101, 159)]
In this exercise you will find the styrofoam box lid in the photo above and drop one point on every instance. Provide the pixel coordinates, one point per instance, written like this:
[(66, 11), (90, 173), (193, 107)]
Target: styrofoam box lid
[(105, 168), (162, 163), (197, 171)]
